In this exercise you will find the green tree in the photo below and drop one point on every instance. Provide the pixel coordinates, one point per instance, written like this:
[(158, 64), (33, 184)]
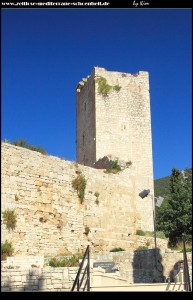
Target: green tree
[(174, 217)]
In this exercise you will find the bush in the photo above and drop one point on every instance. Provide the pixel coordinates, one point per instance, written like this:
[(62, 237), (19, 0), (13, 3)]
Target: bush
[(103, 87), (9, 219), (140, 232), (22, 143), (86, 230), (179, 246), (142, 248), (117, 249), (6, 250), (72, 261), (79, 184), (128, 163), (117, 88), (160, 234), (114, 167), (150, 233), (97, 196), (188, 249)]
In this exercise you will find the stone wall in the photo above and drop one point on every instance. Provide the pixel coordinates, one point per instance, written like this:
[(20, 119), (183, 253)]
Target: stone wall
[(139, 266), (117, 125), (50, 218), (38, 280)]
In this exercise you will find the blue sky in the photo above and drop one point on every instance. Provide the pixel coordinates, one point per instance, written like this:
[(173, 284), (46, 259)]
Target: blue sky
[(46, 52)]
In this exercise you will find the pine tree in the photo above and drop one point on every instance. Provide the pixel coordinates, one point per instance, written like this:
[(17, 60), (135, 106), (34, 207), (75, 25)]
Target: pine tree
[(175, 216)]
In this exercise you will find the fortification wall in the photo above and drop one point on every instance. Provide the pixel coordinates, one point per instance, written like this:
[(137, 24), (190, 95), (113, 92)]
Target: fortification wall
[(50, 218)]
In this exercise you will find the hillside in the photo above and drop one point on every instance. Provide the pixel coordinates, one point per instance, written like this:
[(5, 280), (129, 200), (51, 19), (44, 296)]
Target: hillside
[(161, 186)]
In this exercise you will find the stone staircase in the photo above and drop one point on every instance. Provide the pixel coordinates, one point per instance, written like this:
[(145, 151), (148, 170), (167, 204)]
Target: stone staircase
[(133, 277), (101, 281)]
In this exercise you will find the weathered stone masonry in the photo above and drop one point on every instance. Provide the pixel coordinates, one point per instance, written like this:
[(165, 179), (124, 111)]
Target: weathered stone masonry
[(50, 218), (117, 125)]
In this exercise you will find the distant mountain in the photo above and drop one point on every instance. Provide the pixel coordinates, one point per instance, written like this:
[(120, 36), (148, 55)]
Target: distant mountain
[(161, 186)]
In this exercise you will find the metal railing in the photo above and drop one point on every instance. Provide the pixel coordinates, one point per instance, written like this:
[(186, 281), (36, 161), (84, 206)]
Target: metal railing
[(80, 277), (187, 285)]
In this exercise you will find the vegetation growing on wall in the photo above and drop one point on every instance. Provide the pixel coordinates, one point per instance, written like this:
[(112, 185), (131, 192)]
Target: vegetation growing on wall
[(117, 249), (6, 250), (159, 234), (97, 197), (24, 144), (142, 248), (72, 261), (114, 167), (16, 198), (104, 88), (79, 184), (128, 164), (117, 87), (9, 219), (86, 230)]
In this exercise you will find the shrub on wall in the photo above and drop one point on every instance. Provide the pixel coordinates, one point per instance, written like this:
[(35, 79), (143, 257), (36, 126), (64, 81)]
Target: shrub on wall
[(72, 261), (22, 143), (142, 248), (9, 219), (114, 167), (104, 88), (86, 230), (79, 184), (97, 197), (6, 250), (117, 249), (117, 87), (140, 232), (159, 234)]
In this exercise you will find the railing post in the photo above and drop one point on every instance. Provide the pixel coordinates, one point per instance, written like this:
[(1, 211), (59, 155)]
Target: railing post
[(187, 285), (88, 271), (77, 281)]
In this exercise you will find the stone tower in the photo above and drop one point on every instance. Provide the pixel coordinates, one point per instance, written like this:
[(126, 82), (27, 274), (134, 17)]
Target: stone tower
[(116, 122), (113, 118)]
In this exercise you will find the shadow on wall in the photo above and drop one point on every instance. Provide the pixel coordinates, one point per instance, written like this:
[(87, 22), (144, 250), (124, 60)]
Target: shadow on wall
[(147, 266), (33, 283), (175, 274)]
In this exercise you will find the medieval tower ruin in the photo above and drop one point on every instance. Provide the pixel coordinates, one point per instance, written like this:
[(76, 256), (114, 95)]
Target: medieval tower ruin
[(113, 119)]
